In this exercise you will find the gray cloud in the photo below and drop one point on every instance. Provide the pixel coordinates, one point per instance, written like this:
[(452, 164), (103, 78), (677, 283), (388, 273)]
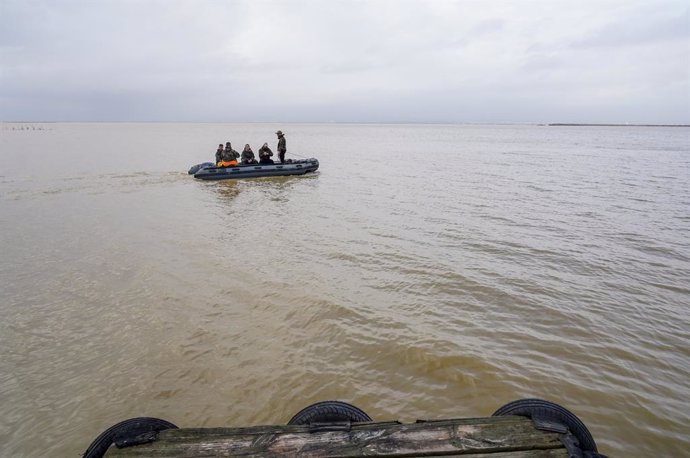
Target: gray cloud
[(378, 60), (642, 27)]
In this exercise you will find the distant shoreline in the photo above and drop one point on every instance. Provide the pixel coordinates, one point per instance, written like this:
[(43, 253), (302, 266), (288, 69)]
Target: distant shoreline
[(558, 124), (542, 124)]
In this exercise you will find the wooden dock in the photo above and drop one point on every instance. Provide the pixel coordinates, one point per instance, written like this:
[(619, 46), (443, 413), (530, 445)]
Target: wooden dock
[(490, 437)]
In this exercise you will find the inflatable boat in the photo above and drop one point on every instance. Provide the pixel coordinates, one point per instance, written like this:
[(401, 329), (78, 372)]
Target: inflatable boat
[(209, 171)]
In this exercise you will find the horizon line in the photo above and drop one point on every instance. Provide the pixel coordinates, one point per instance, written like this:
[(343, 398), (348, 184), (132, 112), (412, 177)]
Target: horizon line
[(525, 123)]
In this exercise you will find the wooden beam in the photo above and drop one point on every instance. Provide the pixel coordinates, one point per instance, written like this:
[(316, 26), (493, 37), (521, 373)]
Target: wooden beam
[(494, 437)]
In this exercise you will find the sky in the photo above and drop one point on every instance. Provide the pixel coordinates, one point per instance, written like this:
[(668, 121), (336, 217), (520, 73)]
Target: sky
[(435, 61)]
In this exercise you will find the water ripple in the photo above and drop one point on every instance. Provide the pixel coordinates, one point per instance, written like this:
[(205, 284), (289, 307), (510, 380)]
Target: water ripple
[(514, 261)]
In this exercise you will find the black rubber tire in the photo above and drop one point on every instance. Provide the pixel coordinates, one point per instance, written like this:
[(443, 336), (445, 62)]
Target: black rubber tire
[(551, 411), (328, 411), (138, 425)]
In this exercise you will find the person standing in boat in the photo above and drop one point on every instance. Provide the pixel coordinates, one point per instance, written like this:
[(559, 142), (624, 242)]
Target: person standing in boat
[(282, 147), (248, 155), (219, 153), (265, 154), (229, 156)]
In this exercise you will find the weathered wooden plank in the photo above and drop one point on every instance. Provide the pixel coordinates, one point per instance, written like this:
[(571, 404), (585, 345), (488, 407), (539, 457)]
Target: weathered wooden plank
[(551, 453), (513, 437)]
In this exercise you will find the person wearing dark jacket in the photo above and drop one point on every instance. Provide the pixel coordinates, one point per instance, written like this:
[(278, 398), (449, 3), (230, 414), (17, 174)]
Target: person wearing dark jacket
[(248, 155), (265, 154), (282, 147), (219, 153), (230, 155)]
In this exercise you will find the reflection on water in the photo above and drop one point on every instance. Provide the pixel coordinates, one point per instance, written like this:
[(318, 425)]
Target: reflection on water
[(277, 189), (512, 261), (225, 189)]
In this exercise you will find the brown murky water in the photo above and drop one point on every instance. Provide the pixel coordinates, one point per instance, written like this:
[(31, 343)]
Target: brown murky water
[(424, 272)]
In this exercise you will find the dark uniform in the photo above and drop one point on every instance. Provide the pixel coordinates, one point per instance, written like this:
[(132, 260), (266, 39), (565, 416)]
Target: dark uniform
[(219, 153), (265, 154), (229, 154), (248, 155), (282, 147)]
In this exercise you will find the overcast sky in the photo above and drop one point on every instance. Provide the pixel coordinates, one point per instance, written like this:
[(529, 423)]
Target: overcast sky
[(606, 61)]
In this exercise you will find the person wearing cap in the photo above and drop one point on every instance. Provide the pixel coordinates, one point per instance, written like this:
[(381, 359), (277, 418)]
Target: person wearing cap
[(229, 156), (282, 147), (219, 153), (265, 154), (248, 155)]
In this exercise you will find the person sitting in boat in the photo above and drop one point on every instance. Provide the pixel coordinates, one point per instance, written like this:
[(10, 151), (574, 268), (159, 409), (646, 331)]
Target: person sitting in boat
[(248, 155), (265, 154), (219, 153), (229, 156)]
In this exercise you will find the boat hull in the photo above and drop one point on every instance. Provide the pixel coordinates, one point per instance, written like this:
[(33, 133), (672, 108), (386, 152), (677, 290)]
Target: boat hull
[(257, 170)]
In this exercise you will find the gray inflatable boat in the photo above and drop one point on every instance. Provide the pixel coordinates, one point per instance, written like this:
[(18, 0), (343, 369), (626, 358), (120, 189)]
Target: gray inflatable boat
[(211, 172)]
